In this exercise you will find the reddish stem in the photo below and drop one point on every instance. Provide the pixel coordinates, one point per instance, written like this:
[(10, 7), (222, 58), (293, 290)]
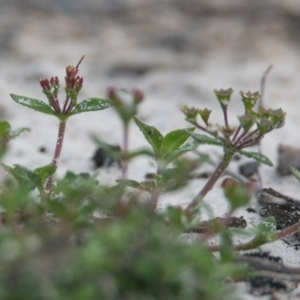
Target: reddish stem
[(212, 180), (59, 143), (125, 151), (224, 109)]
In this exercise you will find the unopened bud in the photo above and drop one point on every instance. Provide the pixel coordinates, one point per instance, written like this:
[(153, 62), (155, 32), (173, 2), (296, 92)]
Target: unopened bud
[(249, 99), (204, 114), (223, 96), (138, 96)]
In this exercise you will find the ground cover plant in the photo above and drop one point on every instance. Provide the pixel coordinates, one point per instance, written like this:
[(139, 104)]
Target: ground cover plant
[(76, 238)]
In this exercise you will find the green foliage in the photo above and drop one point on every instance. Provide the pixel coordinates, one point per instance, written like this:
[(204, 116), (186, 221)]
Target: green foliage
[(204, 139), (237, 194), (257, 156), (6, 134), (31, 179), (91, 104), (35, 104), (74, 255), (79, 239), (169, 147), (152, 135), (295, 172)]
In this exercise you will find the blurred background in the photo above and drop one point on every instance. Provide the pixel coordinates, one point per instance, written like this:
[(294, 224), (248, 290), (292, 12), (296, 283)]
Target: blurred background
[(176, 51)]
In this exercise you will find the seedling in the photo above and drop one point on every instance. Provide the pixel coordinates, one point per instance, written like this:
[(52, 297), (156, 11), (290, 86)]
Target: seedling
[(62, 109), (253, 125)]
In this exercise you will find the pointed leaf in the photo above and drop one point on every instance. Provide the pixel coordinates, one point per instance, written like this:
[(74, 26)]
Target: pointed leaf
[(295, 172), (17, 132), (139, 152), (128, 182), (19, 173), (173, 140), (152, 135), (43, 173), (204, 139), (227, 249), (91, 104), (35, 104), (4, 128), (189, 145), (257, 156)]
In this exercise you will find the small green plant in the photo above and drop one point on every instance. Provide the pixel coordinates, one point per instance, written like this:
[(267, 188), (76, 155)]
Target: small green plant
[(62, 110), (253, 126), (82, 240)]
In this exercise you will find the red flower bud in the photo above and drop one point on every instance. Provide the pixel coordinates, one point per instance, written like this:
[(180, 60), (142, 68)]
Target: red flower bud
[(111, 92), (45, 84), (138, 96)]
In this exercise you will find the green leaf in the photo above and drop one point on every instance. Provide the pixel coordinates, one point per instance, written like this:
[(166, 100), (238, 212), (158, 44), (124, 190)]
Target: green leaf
[(152, 135), (266, 230), (295, 172), (237, 195), (128, 182), (20, 174), (257, 156), (204, 139), (173, 140), (227, 249), (58, 208), (42, 173), (30, 178), (143, 185), (4, 128), (91, 104), (34, 104), (140, 152), (17, 132), (189, 145)]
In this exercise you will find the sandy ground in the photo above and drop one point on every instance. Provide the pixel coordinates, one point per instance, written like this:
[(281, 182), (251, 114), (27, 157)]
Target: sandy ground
[(176, 53)]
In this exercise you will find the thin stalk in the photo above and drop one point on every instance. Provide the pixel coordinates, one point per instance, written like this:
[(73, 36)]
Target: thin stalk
[(66, 104), (224, 163), (224, 141), (236, 133), (154, 197), (255, 243), (224, 109), (125, 150), (263, 84), (59, 143), (244, 137)]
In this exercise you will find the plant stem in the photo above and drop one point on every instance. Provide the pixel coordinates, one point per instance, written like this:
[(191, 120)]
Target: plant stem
[(125, 151), (224, 109), (59, 143), (212, 179), (255, 243)]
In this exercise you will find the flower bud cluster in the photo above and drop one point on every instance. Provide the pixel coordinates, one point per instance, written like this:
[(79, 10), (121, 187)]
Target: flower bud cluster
[(74, 84), (125, 103), (253, 124), (51, 89)]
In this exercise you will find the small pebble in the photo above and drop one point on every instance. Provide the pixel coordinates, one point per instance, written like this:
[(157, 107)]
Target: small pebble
[(104, 158), (287, 156), (249, 169)]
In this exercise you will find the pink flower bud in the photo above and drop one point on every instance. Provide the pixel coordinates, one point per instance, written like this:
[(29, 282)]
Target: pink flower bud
[(138, 96), (111, 92)]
